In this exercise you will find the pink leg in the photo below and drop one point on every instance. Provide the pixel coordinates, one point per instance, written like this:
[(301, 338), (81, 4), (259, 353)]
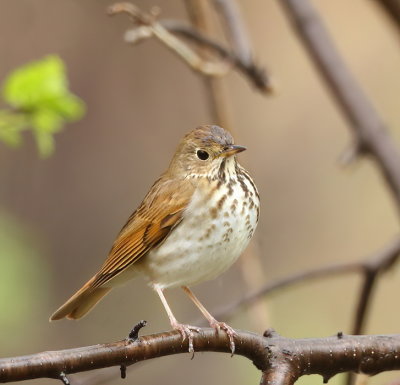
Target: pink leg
[(185, 330), (212, 321)]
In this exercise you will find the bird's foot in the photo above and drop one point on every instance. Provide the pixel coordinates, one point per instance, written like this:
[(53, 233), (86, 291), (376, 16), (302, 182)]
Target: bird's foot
[(186, 332), (228, 330)]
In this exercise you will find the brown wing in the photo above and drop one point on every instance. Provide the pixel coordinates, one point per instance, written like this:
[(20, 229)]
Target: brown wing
[(148, 226)]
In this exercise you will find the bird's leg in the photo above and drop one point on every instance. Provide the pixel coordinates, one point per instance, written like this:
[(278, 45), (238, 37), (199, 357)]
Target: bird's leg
[(185, 330), (212, 321)]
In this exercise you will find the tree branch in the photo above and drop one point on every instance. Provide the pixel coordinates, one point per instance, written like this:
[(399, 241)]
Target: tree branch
[(148, 27), (392, 10), (371, 136), (369, 130), (236, 31), (371, 267), (269, 353), (255, 74)]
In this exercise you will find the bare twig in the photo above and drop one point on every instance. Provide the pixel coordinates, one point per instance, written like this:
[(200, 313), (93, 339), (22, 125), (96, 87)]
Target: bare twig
[(372, 268), (148, 26), (64, 379), (375, 265), (323, 356), (249, 68), (276, 285)]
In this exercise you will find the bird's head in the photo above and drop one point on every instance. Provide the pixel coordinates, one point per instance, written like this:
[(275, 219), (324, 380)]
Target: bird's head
[(203, 150)]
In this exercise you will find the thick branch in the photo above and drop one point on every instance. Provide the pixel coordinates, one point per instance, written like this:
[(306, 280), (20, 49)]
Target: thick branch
[(324, 356)]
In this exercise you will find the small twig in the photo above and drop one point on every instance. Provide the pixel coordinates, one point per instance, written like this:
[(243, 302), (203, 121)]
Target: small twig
[(331, 270), (147, 27), (64, 379), (132, 337), (134, 333), (249, 68), (122, 369), (155, 29), (350, 154), (372, 268)]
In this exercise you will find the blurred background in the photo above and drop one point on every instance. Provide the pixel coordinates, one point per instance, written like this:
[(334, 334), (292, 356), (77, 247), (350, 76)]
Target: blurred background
[(59, 216)]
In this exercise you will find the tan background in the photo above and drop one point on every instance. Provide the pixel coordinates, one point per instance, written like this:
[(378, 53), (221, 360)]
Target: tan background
[(58, 217)]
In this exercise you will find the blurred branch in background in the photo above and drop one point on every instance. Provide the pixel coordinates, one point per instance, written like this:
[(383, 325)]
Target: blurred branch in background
[(202, 15), (148, 26), (392, 9), (370, 134), (370, 268), (40, 101)]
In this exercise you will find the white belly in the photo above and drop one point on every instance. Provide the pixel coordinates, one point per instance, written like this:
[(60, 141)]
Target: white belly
[(213, 233)]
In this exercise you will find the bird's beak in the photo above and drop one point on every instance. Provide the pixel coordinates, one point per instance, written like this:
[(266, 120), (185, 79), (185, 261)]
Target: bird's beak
[(232, 150)]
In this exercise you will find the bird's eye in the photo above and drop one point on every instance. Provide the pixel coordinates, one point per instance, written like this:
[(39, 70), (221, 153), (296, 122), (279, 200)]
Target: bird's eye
[(202, 155)]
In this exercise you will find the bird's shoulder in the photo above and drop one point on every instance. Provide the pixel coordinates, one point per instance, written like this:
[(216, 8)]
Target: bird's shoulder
[(161, 210)]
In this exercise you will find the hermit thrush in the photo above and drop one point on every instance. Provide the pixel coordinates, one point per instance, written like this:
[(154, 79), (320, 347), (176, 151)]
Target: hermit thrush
[(192, 225)]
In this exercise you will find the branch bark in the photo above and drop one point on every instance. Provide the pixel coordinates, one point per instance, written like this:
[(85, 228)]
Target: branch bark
[(269, 353)]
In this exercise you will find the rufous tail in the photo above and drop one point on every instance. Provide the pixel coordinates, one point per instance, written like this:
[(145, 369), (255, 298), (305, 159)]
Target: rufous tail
[(81, 302)]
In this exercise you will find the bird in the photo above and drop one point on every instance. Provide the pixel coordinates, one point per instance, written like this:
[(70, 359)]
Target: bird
[(192, 225)]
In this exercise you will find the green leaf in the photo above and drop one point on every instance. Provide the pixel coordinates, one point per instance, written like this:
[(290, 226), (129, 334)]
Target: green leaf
[(46, 121), (38, 91), (70, 107), (11, 125), (31, 85)]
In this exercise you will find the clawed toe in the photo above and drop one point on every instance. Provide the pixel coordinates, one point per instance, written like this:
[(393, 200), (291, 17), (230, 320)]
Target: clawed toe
[(228, 330), (187, 332)]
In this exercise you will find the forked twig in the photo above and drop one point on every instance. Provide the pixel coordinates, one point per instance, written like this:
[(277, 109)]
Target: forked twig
[(148, 26), (151, 27)]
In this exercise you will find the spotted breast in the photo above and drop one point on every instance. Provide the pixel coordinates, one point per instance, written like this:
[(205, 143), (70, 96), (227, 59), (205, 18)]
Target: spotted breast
[(215, 229)]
